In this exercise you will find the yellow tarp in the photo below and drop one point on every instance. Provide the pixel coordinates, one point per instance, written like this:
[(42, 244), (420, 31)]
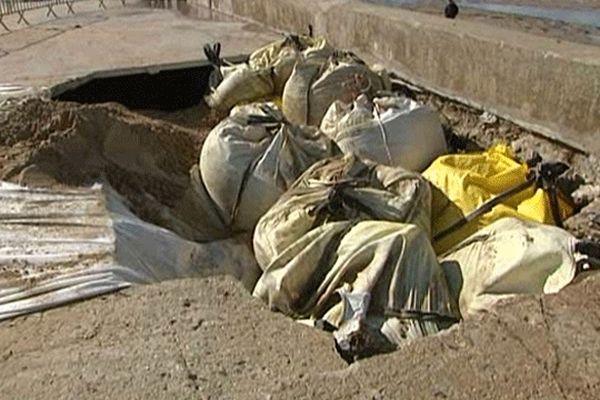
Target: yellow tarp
[(466, 181)]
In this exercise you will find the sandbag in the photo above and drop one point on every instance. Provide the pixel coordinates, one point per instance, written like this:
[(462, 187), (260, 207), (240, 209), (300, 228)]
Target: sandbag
[(282, 55), (388, 130), (463, 182), (263, 76), (340, 189), (241, 84), (507, 258), (252, 157), (376, 280), (316, 82), (63, 245)]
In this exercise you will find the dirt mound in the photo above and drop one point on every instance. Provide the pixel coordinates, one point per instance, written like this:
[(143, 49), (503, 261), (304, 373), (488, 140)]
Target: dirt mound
[(146, 160)]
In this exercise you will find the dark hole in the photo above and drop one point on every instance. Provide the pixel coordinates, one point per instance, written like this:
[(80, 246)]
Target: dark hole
[(166, 90)]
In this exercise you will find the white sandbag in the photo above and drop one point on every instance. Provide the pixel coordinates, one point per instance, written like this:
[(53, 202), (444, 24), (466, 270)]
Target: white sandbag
[(63, 245), (507, 258), (338, 189), (367, 279), (388, 130), (316, 82), (247, 165)]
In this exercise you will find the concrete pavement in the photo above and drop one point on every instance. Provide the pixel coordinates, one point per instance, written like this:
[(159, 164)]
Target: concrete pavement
[(131, 38)]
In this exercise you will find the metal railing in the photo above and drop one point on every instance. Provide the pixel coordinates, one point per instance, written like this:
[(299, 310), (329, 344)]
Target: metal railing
[(20, 7)]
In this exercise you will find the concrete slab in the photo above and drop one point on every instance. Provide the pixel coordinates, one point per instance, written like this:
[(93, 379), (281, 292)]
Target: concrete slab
[(120, 38), (187, 339)]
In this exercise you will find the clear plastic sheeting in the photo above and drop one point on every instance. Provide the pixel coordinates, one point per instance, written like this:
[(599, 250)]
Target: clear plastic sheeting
[(11, 94), (63, 245)]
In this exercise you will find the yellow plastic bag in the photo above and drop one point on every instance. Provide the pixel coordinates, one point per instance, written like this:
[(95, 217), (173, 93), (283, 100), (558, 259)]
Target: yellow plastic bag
[(466, 181)]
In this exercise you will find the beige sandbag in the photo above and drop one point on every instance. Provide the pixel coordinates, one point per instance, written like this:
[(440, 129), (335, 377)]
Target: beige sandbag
[(282, 55), (265, 73), (366, 278), (506, 258), (390, 130), (340, 189), (241, 84), (252, 157), (316, 82)]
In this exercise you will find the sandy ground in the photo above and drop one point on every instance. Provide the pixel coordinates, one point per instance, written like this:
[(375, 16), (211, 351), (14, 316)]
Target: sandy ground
[(200, 339), (148, 161)]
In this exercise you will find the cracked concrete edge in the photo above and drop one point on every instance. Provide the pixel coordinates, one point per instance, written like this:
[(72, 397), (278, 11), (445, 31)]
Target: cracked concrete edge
[(522, 349), (73, 83)]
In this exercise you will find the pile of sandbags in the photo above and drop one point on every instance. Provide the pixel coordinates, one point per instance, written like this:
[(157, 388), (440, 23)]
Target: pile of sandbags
[(349, 244), (317, 82), (263, 76), (365, 226), (304, 73), (390, 130), (252, 157), (349, 248)]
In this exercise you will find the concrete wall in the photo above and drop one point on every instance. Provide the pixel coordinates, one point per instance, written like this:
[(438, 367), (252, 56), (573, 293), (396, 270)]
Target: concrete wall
[(549, 86)]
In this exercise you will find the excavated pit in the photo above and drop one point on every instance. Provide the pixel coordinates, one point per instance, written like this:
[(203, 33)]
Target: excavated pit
[(142, 132), (95, 137), (144, 146)]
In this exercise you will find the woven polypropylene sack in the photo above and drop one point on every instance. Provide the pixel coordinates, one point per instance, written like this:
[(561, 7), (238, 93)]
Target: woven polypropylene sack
[(241, 84), (246, 165), (282, 55), (338, 189), (388, 130), (507, 258), (317, 82), (390, 266)]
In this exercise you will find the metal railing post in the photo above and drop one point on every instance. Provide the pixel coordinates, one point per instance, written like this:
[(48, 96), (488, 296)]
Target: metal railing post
[(20, 7), (69, 5)]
